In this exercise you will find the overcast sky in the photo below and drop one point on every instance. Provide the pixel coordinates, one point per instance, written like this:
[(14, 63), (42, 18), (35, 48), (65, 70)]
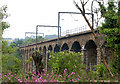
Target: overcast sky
[(26, 14)]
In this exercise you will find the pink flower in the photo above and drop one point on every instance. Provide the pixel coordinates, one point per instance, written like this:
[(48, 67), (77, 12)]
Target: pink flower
[(65, 70), (78, 79), (9, 78), (60, 75), (19, 80), (40, 78), (5, 81), (36, 80), (12, 75), (45, 80), (68, 75), (72, 73), (44, 70), (9, 73)]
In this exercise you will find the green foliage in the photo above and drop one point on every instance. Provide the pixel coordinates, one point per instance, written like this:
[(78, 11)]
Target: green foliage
[(11, 58), (30, 40), (112, 31), (61, 60), (101, 71), (3, 15)]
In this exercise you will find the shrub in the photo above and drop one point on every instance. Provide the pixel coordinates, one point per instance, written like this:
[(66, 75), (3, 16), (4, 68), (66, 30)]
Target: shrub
[(70, 60)]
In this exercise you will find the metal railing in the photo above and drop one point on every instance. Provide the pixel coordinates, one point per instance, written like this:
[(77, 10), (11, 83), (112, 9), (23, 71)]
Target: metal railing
[(75, 30)]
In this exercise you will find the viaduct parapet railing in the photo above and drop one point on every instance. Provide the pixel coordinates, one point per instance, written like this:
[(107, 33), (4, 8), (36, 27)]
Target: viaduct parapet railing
[(75, 30), (83, 42)]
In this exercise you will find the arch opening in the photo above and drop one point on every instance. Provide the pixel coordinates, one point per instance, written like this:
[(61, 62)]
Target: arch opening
[(57, 48), (49, 49), (65, 47), (44, 54), (91, 54), (76, 47)]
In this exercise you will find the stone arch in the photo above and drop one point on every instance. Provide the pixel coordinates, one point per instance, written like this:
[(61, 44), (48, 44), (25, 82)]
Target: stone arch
[(65, 47), (91, 54), (50, 48), (32, 49), (39, 48), (57, 48), (76, 47), (44, 54)]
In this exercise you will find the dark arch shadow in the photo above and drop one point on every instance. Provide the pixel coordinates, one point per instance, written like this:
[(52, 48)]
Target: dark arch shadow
[(64, 47), (76, 47), (40, 49), (44, 54), (57, 48), (49, 49), (91, 54)]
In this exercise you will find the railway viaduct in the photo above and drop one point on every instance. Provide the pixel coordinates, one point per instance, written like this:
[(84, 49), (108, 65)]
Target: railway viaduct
[(80, 42)]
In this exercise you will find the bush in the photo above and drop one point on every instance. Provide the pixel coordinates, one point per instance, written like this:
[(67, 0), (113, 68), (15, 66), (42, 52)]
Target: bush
[(70, 60)]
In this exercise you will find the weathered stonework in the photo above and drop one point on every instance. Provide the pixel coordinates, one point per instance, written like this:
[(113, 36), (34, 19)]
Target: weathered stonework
[(83, 41)]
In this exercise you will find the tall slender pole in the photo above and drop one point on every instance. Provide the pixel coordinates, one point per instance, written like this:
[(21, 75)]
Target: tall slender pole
[(58, 25)]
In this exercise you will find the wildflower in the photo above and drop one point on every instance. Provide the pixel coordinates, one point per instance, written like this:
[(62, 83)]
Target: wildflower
[(65, 70), (60, 75), (9, 78), (44, 70), (5, 81), (78, 79), (36, 80), (68, 75), (19, 80), (45, 80), (9, 73), (40, 78), (72, 73)]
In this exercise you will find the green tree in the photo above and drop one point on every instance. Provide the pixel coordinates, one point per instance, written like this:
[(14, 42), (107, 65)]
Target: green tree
[(30, 40), (11, 58), (111, 29), (3, 15)]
